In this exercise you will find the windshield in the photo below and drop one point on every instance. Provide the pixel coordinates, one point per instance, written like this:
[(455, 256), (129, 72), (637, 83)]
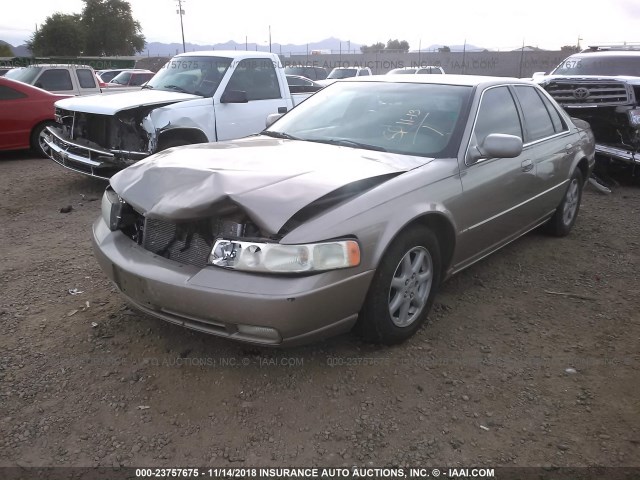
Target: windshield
[(405, 118), (24, 75), (343, 73), (194, 75), (599, 65)]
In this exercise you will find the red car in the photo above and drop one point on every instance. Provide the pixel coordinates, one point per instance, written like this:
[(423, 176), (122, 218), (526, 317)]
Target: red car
[(24, 112)]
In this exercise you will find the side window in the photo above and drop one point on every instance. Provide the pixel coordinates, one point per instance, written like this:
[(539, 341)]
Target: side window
[(54, 80), (138, 79), (497, 114), (363, 73), (309, 72), (7, 93), (85, 77), (257, 77), (558, 123), (536, 117)]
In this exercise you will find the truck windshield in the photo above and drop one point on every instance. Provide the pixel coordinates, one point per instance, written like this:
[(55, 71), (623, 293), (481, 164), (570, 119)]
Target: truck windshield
[(406, 118), (24, 75), (343, 73), (599, 65), (193, 75)]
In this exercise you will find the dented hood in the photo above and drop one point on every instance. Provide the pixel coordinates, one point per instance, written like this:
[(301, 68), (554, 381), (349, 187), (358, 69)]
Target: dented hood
[(270, 179), (110, 104)]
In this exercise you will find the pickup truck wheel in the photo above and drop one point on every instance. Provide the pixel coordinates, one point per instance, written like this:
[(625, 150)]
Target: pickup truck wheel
[(562, 221), (37, 144), (402, 289)]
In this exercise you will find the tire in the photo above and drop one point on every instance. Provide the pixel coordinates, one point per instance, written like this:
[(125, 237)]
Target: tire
[(402, 289), (35, 140), (562, 221)]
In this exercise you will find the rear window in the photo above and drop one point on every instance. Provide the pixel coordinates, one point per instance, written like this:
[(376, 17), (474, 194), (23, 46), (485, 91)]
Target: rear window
[(85, 77), (24, 75)]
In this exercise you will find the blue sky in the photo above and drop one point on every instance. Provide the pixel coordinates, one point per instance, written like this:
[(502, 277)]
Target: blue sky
[(490, 23)]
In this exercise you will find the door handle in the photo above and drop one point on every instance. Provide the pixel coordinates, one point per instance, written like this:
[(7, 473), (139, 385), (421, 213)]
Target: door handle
[(282, 109), (527, 165)]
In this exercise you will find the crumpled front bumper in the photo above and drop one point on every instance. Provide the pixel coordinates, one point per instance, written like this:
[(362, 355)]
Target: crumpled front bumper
[(301, 309), (91, 161)]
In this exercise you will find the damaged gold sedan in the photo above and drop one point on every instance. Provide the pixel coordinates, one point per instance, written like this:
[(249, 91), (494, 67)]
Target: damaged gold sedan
[(346, 212)]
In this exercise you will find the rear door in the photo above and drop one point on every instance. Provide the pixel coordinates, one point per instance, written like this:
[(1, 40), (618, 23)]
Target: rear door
[(547, 138), (257, 77), (495, 206)]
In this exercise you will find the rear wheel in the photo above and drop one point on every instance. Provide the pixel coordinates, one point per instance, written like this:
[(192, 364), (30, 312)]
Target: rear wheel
[(565, 216), (37, 143), (402, 288)]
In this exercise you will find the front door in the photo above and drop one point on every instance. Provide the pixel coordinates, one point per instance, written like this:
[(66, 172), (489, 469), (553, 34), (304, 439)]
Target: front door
[(497, 191), (256, 77)]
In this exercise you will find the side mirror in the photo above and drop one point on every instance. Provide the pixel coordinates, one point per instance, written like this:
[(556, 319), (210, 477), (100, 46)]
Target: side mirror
[(234, 96), (538, 74), (271, 118), (496, 145)]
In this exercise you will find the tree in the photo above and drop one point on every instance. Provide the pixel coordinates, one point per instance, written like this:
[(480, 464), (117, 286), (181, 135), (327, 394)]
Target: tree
[(110, 28), (397, 45), (5, 50), (60, 34), (375, 48), (570, 49), (444, 49)]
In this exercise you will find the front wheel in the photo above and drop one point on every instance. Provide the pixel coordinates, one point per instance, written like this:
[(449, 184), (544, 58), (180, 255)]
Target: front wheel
[(402, 288), (565, 216), (37, 142)]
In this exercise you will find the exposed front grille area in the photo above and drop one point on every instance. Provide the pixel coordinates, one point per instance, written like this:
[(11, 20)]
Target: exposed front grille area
[(189, 243), (184, 242), (589, 93)]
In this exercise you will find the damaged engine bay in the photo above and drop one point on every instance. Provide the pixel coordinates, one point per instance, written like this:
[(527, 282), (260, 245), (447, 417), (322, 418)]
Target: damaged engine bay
[(121, 134)]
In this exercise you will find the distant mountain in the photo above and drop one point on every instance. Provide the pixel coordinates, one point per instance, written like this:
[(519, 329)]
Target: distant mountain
[(334, 44), (19, 51)]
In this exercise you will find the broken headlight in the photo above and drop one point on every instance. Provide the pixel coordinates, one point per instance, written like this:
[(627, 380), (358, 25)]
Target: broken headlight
[(278, 258), (115, 212)]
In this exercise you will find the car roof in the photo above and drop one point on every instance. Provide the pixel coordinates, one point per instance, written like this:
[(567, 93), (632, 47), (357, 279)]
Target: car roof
[(609, 53), (463, 80), (227, 53), (57, 65)]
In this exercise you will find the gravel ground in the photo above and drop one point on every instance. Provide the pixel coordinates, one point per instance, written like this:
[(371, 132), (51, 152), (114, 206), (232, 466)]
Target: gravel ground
[(506, 373)]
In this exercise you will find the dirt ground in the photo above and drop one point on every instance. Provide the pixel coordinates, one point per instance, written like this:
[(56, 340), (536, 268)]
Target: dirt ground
[(506, 373)]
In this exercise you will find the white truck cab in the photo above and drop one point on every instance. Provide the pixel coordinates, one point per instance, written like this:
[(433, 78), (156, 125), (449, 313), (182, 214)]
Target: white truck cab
[(58, 78), (196, 97)]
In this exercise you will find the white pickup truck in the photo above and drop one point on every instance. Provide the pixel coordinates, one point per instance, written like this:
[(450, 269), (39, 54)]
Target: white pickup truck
[(196, 97)]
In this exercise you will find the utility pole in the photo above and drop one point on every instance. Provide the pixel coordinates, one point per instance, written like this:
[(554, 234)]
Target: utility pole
[(181, 12), (579, 42), (464, 54), (269, 38)]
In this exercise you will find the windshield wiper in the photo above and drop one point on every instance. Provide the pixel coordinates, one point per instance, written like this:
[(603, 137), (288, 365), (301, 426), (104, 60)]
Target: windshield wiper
[(176, 87), (348, 143), (270, 133), (147, 86)]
